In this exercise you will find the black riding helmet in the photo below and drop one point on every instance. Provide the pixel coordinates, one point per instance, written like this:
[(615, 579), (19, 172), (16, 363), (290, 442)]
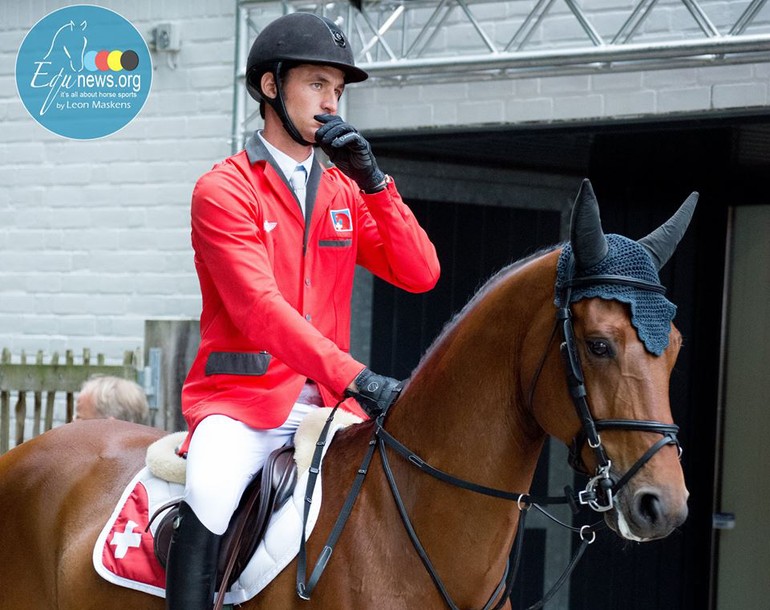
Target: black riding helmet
[(297, 38)]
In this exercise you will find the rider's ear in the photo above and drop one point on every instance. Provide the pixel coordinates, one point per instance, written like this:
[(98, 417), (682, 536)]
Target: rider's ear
[(267, 85)]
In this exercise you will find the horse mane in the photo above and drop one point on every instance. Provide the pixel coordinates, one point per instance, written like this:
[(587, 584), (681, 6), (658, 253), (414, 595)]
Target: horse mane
[(484, 289)]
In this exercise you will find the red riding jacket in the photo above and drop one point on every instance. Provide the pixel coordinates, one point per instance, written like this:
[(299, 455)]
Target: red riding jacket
[(276, 294)]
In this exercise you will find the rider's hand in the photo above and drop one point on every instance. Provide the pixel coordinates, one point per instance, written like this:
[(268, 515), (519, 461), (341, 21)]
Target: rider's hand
[(375, 393), (350, 152)]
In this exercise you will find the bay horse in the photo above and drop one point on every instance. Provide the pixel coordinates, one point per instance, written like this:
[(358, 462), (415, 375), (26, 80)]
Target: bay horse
[(479, 406)]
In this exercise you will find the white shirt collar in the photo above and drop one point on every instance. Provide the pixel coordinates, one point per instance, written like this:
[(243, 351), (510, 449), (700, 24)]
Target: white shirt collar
[(284, 161)]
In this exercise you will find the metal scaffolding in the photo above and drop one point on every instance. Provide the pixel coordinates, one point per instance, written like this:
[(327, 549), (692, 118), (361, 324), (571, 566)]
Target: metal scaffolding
[(430, 41)]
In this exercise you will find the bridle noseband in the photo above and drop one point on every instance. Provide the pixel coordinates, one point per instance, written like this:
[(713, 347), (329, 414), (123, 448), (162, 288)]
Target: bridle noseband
[(601, 490)]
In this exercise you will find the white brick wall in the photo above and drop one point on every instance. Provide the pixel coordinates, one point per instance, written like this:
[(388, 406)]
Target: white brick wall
[(94, 236), (616, 96)]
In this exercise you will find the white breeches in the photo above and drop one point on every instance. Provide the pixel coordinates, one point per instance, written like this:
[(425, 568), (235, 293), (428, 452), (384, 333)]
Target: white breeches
[(223, 457)]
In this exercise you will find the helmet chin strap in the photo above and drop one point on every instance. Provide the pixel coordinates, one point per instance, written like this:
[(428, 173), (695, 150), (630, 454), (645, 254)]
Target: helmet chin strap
[(278, 104)]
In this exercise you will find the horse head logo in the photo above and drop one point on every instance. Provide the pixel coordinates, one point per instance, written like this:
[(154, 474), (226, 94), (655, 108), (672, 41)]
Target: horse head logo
[(63, 59), (74, 64), (68, 47)]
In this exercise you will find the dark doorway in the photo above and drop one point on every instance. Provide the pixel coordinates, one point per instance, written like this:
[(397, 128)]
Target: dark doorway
[(473, 242)]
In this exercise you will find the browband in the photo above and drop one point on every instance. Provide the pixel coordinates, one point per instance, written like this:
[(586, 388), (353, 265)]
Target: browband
[(622, 280)]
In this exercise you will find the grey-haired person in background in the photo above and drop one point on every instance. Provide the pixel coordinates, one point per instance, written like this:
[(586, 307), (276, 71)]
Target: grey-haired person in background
[(107, 397)]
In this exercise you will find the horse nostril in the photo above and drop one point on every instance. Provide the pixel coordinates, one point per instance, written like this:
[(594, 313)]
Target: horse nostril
[(649, 507)]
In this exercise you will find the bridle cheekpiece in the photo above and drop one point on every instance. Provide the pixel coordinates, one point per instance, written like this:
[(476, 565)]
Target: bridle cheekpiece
[(599, 494)]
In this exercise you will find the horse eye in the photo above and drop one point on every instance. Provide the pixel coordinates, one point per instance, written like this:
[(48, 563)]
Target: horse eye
[(600, 348)]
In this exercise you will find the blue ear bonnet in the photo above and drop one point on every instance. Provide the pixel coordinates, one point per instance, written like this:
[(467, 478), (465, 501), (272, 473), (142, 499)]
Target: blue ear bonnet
[(651, 312)]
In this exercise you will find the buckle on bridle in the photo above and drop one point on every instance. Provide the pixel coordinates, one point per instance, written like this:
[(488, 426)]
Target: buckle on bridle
[(593, 498)]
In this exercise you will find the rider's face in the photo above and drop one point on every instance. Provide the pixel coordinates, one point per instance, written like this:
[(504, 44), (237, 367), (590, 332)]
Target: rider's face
[(309, 90)]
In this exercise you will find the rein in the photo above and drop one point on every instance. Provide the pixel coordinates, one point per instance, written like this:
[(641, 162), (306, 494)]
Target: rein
[(381, 439), (599, 493)]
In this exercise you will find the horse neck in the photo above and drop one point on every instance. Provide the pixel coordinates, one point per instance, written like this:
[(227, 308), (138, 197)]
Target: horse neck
[(464, 409)]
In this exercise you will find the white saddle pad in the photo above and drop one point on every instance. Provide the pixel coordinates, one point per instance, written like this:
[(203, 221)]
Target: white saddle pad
[(123, 554)]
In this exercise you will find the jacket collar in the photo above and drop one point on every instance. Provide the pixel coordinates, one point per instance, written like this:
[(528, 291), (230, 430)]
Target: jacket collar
[(256, 151)]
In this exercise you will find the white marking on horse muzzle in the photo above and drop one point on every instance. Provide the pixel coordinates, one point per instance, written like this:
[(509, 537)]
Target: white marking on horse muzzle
[(624, 529)]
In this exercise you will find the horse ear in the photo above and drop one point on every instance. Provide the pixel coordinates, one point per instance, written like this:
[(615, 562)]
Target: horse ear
[(662, 242), (84, 25), (589, 245)]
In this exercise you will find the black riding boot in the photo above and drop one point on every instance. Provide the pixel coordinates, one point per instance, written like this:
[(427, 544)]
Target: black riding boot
[(192, 563)]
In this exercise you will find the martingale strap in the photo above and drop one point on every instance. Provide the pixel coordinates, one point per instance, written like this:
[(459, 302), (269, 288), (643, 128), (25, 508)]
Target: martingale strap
[(506, 582)]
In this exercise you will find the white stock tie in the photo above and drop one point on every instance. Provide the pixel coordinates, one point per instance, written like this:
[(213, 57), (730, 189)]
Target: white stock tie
[(298, 178)]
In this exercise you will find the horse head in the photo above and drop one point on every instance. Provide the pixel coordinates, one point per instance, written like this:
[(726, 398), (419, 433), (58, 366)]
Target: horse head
[(619, 349)]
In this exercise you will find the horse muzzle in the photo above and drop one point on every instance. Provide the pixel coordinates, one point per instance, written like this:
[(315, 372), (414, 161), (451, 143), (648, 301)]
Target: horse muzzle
[(647, 512)]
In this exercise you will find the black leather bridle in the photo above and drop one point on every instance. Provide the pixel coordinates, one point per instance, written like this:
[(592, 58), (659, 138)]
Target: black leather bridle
[(601, 490)]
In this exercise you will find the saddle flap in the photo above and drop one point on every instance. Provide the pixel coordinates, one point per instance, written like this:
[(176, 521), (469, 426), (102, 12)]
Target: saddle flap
[(270, 489), (284, 476)]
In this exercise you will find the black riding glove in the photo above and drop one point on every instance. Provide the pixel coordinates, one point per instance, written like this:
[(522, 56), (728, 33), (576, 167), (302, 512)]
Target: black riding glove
[(350, 152), (375, 392)]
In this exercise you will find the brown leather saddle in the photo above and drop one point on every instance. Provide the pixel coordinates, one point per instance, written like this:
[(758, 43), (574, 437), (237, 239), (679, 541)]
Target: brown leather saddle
[(268, 491)]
